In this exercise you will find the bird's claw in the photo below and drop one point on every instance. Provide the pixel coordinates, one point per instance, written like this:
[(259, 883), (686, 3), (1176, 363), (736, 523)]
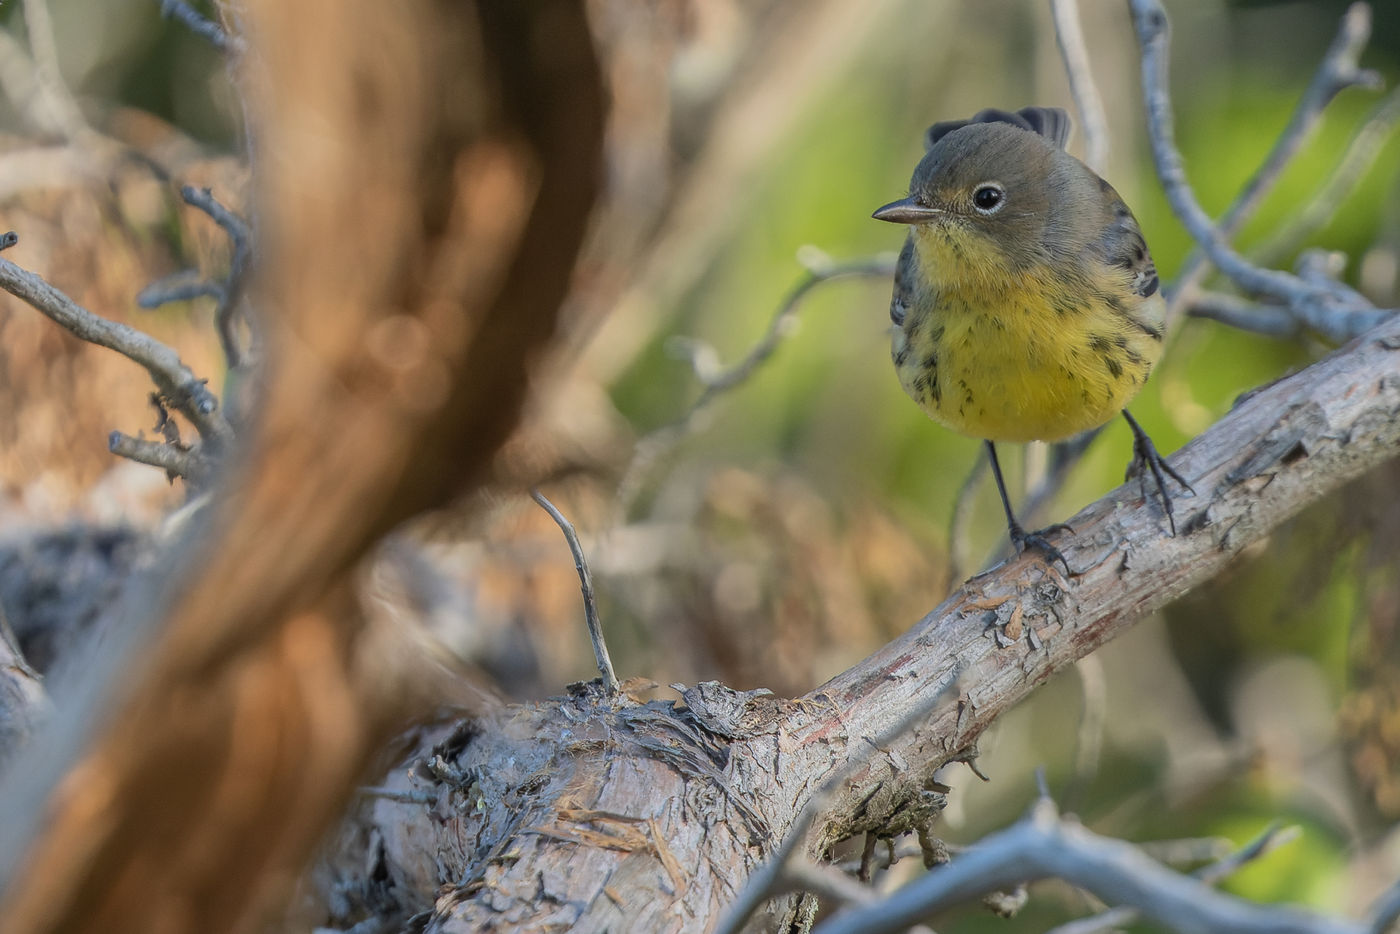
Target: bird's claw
[(1037, 540)]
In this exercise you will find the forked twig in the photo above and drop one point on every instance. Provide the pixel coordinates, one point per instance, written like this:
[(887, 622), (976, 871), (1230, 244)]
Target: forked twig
[(186, 393), (1271, 839), (1331, 309), (654, 446), (1045, 846), (231, 292), (1340, 69)]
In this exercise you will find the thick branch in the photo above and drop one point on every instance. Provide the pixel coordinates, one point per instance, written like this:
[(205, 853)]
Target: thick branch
[(1284, 447), (989, 645)]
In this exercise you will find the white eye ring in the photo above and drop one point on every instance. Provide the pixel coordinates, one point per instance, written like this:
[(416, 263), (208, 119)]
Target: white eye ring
[(988, 198)]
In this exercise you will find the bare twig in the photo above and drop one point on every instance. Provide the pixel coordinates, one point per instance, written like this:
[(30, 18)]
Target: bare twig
[(186, 393), (178, 287), (1339, 70), (201, 26), (1044, 846), (654, 446), (1335, 312), (826, 881), (1069, 35), (1241, 313), (231, 292), (1112, 919), (1360, 154), (174, 460), (590, 605), (1188, 851)]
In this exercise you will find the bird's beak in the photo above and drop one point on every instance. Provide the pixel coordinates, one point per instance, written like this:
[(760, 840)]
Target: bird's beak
[(906, 211)]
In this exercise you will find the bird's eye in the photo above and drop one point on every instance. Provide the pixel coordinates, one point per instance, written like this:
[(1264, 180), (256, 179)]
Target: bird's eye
[(988, 198)]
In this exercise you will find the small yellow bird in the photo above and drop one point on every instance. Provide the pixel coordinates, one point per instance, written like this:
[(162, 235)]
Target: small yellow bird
[(1026, 305)]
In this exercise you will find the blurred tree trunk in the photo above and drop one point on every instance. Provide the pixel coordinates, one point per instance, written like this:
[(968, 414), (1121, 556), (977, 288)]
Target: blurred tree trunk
[(425, 179)]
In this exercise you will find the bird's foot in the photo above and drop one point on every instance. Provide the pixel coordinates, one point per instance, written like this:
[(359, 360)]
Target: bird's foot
[(1147, 460), (1037, 540)]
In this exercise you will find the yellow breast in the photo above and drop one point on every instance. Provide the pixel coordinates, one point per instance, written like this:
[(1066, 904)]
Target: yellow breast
[(1039, 355)]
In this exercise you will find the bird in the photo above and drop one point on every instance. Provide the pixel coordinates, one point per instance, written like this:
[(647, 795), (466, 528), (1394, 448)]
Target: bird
[(1026, 304)]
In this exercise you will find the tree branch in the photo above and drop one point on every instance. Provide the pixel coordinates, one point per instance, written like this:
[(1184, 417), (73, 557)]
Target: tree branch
[(175, 461), (188, 394), (652, 448), (245, 688), (1340, 69), (590, 605), (230, 294), (1333, 310), (1044, 846), (1284, 447), (1117, 917), (1069, 36)]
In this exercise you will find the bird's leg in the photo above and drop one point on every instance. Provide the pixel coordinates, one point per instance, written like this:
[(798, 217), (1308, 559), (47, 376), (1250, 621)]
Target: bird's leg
[(1145, 455), (1019, 536)]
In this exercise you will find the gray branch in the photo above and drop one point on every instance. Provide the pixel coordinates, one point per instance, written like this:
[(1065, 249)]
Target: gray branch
[(1069, 35), (1340, 69), (230, 294), (1044, 846), (173, 459), (179, 287), (185, 392), (590, 603), (1241, 313), (1114, 918), (1334, 311), (654, 446)]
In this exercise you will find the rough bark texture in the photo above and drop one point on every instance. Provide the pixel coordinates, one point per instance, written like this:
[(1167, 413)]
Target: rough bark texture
[(586, 815), (426, 176)]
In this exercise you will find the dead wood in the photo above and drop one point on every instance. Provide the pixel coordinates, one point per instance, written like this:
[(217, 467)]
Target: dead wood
[(595, 815)]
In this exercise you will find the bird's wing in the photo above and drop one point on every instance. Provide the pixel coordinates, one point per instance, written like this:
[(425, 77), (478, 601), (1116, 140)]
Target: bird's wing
[(1122, 244), (904, 273)]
